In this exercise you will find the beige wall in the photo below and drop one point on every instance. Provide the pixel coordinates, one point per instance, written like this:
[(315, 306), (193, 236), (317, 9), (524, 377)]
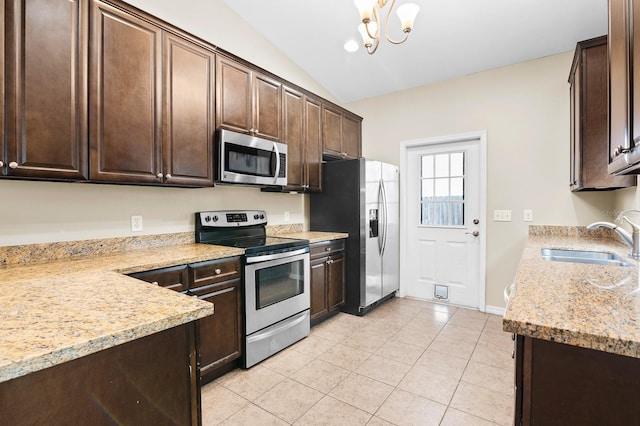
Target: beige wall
[(44, 211), (525, 110)]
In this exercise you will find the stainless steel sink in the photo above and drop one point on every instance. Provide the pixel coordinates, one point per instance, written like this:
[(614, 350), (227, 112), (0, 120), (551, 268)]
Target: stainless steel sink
[(583, 256)]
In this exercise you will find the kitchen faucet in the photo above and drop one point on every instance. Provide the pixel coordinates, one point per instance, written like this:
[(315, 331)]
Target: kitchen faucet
[(632, 240)]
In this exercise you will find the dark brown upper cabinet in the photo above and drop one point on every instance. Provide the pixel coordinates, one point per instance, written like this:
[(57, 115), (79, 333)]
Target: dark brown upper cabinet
[(188, 116), (589, 131), (247, 101), (624, 86), (146, 128), (45, 60), (341, 132), (303, 136)]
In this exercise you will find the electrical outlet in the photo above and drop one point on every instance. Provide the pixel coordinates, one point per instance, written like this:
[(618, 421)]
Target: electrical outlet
[(528, 215), (136, 223), (286, 216)]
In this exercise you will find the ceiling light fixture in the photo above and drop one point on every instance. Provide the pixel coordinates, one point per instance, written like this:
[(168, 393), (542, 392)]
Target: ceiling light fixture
[(371, 27), (351, 46)]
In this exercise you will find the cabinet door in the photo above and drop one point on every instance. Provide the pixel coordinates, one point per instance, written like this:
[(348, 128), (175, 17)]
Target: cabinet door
[(3, 160), (635, 95), (46, 90), (335, 282), (619, 87), (188, 121), (294, 137), (125, 93), (331, 131), (233, 96), (219, 336), (313, 144), (351, 135), (267, 97), (574, 100), (174, 278), (319, 305)]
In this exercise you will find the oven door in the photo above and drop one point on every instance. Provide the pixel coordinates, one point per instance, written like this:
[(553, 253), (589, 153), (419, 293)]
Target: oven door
[(276, 289), (250, 160)]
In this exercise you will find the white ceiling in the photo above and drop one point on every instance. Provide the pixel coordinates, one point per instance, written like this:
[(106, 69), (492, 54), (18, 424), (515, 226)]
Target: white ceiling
[(451, 38)]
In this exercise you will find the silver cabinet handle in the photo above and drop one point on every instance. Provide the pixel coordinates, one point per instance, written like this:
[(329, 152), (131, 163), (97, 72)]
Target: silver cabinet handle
[(622, 150), (218, 271), (159, 175), (474, 233), (13, 165), (168, 175)]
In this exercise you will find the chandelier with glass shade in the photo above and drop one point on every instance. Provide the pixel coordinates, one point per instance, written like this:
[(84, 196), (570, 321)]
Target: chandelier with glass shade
[(371, 26)]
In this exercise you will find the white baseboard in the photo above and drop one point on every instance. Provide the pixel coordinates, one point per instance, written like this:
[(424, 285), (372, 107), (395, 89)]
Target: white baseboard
[(495, 310)]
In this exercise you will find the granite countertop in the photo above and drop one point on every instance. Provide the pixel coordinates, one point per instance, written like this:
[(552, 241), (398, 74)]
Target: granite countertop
[(57, 311), (315, 236), (590, 306)]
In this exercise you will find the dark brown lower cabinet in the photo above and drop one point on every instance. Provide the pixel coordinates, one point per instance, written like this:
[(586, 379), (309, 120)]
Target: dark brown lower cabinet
[(218, 336), (559, 384), (327, 279), (148, 381)]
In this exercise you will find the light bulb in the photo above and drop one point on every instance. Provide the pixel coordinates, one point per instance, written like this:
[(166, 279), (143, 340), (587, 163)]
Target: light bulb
[(407, 14), (365, 8), (366, 39)]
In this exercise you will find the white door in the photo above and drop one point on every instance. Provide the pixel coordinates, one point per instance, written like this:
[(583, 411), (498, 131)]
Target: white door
[(443, 205)]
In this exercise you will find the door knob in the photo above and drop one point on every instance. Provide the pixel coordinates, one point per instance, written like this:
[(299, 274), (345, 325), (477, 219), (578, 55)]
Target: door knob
[(474, 233)]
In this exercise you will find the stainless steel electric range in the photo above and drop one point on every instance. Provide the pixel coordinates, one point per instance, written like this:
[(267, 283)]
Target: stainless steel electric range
[(276, 279)]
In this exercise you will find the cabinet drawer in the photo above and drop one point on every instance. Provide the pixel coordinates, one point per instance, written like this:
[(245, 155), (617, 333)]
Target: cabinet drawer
[(215, 271), (174, 278), (326, 248)]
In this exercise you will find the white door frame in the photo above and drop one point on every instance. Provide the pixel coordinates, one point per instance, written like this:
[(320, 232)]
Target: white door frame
[(481, 137)]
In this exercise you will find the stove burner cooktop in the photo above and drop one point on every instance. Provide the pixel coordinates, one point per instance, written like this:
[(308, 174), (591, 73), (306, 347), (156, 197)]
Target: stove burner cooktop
[(244, 229)]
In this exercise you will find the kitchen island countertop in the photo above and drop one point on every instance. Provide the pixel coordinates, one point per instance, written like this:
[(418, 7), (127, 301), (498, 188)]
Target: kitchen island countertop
[(53, 312), (584, 305)]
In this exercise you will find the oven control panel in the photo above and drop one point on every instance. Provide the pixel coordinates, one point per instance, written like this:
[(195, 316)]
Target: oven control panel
[(231, 218)]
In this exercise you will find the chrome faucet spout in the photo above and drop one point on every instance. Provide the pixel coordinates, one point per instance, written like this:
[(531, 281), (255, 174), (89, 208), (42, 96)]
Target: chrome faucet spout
[(632, 240)]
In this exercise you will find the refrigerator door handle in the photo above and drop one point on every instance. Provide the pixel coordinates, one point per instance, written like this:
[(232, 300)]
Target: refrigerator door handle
[(385, 224), (380, 231)]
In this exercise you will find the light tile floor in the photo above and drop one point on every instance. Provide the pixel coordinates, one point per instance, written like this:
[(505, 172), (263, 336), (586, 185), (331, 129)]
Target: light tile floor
[(408, 362)]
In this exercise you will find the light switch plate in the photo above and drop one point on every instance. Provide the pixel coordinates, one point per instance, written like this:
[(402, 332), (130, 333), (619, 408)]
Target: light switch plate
[(502, 215), (528, 215)]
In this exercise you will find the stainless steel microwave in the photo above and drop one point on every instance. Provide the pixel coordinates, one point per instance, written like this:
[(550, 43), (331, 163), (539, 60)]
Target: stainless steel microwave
[(248, 160)]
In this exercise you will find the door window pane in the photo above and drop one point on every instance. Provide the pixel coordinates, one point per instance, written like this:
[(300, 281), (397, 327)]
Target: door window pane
[(442, 189)]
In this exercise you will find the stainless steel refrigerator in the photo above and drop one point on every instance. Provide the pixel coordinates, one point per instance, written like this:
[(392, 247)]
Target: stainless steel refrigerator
[(361, 197)]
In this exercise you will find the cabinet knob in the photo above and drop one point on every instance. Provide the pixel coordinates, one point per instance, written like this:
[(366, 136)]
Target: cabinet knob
[(218, 271), (1, 164), (155, 283), (13, 165), (168, 175), (159, 175), (327, 249)]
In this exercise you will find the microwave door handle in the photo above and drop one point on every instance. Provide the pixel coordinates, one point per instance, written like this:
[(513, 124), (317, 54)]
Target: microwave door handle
[(277, 173)]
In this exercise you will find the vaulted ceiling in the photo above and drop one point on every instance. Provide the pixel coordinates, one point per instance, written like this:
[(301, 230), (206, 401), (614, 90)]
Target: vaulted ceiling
[(451, 38)]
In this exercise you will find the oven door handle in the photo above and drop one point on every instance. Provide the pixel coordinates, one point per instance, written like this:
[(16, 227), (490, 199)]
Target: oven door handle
[(282, 327), (266, 257)]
